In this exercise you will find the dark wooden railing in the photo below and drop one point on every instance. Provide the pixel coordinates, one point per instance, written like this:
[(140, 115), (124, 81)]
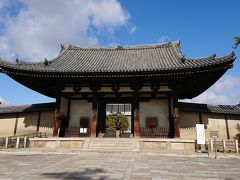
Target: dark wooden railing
[(12, 140), (158, 132), (75, 132), (33, 135)]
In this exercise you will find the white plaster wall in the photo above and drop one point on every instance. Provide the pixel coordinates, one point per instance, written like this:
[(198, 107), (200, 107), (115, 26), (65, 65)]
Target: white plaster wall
[(46, 123), (154, 108), (217, 123), (233, 131), (189, 119), (212, 122), (63, 106), (7, 124), (27, 123), (79, 108)]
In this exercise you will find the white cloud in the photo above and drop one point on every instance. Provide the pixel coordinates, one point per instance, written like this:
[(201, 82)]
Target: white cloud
[(2, 3), (132, 29), (164, 39), (225, 91), (3, 102), (42, 25), (5, 50)]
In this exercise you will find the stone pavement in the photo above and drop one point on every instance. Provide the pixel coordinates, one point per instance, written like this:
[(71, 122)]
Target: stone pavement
[(116, 165)]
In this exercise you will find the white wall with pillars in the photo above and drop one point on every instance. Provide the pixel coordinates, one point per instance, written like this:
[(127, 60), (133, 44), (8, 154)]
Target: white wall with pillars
[(154, 108), (80, 108)]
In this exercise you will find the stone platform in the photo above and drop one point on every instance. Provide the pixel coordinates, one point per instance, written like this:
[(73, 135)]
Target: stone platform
[(116, 166), (113, 144)]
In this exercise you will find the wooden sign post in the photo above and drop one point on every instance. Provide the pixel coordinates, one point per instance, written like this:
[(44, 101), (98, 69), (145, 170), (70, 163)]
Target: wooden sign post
[(214, 135)]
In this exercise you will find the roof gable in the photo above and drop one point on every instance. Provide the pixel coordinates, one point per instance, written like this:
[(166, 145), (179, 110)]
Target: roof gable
[(143, 58)]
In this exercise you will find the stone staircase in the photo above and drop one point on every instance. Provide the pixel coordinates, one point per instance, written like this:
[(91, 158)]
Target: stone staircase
[(113, 144)]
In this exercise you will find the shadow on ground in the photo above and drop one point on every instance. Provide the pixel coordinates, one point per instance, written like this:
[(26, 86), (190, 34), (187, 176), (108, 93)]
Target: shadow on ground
[(86, 174)]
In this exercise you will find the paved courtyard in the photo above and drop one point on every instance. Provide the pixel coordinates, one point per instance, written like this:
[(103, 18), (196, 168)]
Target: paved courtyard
[(126, 165)]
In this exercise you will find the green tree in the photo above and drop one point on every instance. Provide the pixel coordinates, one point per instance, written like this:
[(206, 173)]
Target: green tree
[(237, 41), (111, 122)]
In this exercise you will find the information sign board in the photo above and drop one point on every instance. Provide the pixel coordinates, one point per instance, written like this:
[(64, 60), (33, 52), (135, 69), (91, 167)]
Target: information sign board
[(200, 133), (214, 134)]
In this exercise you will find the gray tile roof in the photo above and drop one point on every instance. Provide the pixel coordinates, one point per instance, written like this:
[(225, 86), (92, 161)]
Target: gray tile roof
[(194, 107), (224, 109), (144, 58), (218, 109), (10, 109)]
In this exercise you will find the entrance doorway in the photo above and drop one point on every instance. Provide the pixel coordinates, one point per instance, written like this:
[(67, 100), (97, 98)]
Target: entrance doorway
[(108, 112)]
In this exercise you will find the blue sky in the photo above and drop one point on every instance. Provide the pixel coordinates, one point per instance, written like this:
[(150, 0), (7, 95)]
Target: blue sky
[(33, 30)]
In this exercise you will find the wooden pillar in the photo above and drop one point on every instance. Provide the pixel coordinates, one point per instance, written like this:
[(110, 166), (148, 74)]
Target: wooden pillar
[(56, 117), (227, 128), (94, 118), (136, 116), (16, 124), (56, 122), (200, 117), (38, 122), (101, 123), (170, 117), (176, 116), (68, 112)]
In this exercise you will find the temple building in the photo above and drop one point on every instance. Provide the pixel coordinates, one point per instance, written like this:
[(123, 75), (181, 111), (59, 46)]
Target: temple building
[(146, 80)]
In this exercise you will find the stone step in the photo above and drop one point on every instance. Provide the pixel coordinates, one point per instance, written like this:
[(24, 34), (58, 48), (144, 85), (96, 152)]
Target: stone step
[(117, 143), (109, 150), (109, 146), (112, 144), (112, 140)]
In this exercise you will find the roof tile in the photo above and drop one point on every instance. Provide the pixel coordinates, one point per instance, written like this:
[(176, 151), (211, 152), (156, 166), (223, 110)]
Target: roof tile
[(158, 57)]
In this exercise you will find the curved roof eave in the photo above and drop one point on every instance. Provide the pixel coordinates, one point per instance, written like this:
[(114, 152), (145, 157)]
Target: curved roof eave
[(191, 64)]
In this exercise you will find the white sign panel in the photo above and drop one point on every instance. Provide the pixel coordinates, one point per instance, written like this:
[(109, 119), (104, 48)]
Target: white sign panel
[(83, 130), (214, 134), (200, 133)]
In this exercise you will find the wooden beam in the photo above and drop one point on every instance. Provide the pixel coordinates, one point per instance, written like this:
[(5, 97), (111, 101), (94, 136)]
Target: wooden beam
[(200, 117), (56, 117), (176, 117), (170, 118), (56, 122), (94, 118), (16, 124), (227, 127), (136, 123), (38, 121), (68, 112), (136, 117)]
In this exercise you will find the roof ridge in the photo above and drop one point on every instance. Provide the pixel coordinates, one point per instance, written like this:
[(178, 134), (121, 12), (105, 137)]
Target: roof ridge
[(182, 102), (225, 105), (14, 105), (22, 105), (121, 47), (214, 56)]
